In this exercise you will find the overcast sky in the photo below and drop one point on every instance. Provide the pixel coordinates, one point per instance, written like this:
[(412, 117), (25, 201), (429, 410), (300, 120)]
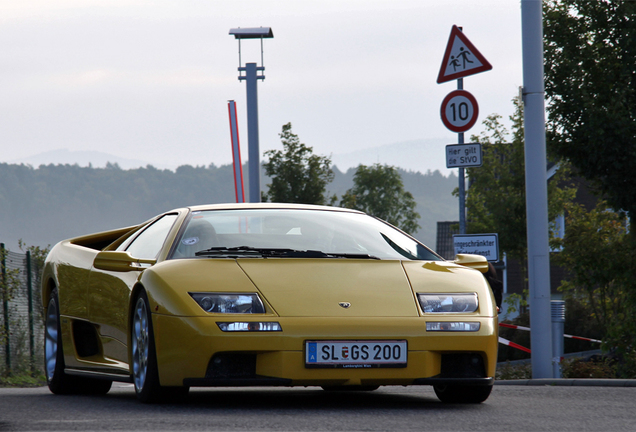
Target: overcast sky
[(150, 79)]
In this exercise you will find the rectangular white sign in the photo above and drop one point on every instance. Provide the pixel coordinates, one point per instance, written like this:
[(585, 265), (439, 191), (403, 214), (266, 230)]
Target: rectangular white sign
[(463, 155), (486, 245)]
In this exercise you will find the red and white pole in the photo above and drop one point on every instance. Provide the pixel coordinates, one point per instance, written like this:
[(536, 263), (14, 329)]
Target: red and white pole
[(236, 154)]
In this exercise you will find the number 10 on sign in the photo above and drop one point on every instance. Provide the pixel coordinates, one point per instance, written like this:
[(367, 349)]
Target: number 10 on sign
[(459, 111)]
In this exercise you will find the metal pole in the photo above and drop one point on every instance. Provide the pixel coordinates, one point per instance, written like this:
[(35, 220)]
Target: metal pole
[(536, 188), (30, 305), (236, 154), (462, 181), (253, 152), (558, 328), (5, 306), (505, 274)]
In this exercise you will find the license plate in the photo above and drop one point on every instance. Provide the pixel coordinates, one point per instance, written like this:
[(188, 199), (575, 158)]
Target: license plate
[(355, 354)]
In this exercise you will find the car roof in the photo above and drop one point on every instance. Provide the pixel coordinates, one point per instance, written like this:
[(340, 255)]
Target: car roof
[(262, 206)]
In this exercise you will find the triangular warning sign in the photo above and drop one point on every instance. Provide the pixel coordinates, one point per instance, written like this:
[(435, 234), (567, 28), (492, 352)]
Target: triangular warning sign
[(461, 58)]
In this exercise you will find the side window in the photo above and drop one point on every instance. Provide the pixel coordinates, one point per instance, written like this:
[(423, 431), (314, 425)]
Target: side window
[(148, 244)]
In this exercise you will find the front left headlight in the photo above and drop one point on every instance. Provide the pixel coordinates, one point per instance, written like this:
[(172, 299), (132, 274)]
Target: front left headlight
[(448, 303), (229, 303)]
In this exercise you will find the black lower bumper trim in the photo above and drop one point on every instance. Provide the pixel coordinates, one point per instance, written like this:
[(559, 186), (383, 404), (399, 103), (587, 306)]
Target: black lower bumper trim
[(455, 381), (109, 376), (236, 382)]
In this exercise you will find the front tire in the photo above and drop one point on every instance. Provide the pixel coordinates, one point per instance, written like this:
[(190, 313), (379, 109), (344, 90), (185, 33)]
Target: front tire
[(58, 381), (145, 372), (462, 394)]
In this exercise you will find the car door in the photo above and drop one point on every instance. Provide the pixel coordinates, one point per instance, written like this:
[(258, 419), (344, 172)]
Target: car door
[(109, 291)]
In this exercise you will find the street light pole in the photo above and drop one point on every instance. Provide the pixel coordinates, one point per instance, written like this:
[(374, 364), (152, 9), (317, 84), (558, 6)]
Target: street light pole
[(536, 188), (251, 77), (254, 164)]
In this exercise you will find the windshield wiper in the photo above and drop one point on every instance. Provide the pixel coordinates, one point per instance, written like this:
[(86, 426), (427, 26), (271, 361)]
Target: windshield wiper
[(246, 251), (351, 255), (243, 251)]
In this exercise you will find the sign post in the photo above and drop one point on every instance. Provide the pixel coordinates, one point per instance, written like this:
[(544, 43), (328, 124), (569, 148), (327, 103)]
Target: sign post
[(459, 110)]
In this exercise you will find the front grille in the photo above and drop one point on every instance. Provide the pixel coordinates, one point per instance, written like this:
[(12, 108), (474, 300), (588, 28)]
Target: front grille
[(464, 365), (232, 365)]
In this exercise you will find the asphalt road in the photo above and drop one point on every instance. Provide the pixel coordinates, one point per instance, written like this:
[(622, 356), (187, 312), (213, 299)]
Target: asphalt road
[(509, 408)]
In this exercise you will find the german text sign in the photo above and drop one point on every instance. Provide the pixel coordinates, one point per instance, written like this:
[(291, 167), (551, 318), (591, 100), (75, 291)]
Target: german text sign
[(463, 155), (486, 245)]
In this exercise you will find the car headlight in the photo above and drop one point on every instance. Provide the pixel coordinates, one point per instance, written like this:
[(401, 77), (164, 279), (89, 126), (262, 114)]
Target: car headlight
[(448, 303), (243, 303)]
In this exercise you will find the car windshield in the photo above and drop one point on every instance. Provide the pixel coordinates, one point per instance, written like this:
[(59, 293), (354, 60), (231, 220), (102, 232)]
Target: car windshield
[(294, 233)]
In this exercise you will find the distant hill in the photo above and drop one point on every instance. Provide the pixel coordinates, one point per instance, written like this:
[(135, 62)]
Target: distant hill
[(82, 158), (417, 155), (47, 204)]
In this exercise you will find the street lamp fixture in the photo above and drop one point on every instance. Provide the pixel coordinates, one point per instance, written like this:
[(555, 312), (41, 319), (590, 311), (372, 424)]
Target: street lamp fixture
[(251, 33)]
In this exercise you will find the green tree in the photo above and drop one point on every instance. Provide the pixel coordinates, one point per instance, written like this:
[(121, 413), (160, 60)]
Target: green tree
[(598, 252), (298, 175), (590, 79), (378, 190), (496, 198)]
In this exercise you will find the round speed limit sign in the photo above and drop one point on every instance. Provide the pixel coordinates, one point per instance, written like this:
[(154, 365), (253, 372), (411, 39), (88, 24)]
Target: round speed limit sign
[(459, 111)]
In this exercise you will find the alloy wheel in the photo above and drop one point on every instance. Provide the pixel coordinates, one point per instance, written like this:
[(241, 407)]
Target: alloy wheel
[(50, 341), (140, 343)]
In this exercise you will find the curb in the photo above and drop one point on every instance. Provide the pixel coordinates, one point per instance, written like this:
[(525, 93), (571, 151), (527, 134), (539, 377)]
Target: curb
[(579, 382)]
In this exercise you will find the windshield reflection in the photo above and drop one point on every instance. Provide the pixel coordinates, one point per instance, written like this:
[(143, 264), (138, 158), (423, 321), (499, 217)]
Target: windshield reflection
[(331, 232)]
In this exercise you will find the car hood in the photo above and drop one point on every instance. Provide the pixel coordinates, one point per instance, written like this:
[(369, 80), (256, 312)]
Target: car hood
[(301, 287), (332, 287)]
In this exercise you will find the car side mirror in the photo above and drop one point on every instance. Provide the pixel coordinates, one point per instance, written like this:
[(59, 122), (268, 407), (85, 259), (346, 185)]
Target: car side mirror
[(476, 262), (120, 261)]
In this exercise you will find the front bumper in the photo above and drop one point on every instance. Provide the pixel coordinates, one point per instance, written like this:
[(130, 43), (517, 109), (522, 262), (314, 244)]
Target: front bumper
[(186, 346)]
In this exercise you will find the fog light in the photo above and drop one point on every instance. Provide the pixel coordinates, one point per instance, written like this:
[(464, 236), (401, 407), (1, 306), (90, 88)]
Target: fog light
[(249, 326), (453, 326)]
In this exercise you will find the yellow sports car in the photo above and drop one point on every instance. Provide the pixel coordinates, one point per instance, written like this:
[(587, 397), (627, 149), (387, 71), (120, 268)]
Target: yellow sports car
[(265, 295)]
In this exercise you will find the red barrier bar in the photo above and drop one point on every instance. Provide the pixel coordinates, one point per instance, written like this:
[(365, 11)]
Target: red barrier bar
[(236, 154), (565, 335)]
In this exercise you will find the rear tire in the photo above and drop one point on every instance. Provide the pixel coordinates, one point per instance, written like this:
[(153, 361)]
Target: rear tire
[(462, 394), (145, 372), (58, 381)]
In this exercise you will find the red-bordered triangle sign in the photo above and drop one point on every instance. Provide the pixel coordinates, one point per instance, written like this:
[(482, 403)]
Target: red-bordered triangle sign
[(461, 58)]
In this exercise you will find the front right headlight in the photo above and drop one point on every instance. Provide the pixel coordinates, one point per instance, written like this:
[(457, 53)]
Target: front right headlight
[(229, 303), (448, 303)]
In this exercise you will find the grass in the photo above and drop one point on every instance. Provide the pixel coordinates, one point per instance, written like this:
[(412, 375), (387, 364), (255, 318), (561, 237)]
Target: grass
[(507, 371), (572, 368), (22, 380)]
